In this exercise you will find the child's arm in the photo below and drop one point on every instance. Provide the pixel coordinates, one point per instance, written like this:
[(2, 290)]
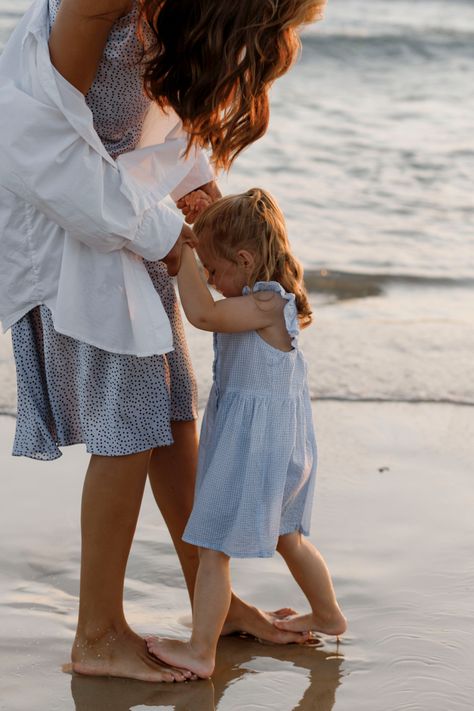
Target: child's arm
[(240, 313)]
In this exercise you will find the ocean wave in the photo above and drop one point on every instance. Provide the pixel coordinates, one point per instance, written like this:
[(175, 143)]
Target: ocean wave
[(11, 15), (406, 400), (7, 413), (349, 285), (423, 44)]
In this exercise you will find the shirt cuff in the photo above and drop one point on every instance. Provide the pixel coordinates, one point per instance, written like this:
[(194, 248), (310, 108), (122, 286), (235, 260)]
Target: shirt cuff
[(157, 233), (200, 174)]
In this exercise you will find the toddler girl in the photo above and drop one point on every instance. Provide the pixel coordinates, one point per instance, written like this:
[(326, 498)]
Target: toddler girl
[(257, 455)]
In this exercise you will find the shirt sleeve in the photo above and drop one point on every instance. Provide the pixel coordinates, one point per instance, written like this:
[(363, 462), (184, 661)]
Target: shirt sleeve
[(47, 163), (200, 174)]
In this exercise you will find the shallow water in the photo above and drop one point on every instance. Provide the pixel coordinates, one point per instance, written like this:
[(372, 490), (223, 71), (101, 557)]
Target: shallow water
[(392, 516)]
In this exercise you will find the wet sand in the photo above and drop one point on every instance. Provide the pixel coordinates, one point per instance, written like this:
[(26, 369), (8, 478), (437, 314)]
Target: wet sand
[(392, 515)]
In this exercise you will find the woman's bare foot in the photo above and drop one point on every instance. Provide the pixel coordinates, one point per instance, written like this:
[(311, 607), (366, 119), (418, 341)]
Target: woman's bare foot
[(334, 625), (121, 654), (181, 654), (246, 618)]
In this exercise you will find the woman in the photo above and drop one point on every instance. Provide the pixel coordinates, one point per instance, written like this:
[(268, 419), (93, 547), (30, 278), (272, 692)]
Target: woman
[(131, 398)]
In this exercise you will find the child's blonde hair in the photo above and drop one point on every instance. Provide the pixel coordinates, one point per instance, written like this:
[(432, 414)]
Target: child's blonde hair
[(254, 222)]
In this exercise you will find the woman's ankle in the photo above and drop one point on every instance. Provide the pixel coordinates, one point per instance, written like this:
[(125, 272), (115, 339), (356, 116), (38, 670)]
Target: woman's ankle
[(239, 609), (100, 631)]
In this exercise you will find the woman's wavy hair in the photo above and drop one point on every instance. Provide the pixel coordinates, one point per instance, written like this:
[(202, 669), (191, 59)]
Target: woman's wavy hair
[(253, 221), (213, 61)]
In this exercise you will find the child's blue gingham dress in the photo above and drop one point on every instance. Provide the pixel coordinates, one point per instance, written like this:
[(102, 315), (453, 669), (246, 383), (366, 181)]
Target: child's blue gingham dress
[(257, 453)]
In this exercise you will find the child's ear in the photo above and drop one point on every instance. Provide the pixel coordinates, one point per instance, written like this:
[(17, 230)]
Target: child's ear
[(245, 259)]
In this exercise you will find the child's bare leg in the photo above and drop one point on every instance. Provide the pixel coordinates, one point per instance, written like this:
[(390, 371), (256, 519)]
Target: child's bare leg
[(172, 473), (104, 644), (211, 605), (310, 571)]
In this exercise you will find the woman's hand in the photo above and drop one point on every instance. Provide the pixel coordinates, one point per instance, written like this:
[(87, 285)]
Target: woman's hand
[(192, 204), (173, 258)]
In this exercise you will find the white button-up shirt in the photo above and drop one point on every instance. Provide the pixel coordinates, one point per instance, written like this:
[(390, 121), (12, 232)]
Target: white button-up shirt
[(75, 225)]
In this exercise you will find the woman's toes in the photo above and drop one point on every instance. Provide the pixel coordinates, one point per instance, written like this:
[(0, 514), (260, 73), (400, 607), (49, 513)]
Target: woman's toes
[(168, 677)]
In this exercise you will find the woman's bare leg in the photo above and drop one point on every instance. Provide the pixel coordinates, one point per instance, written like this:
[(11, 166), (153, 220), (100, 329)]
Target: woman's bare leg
[(172, 474), (104, 643)]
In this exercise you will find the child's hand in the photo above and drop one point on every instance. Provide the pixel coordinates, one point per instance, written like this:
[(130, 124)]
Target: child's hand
[(173, 258), (192, 204), (197, 202)]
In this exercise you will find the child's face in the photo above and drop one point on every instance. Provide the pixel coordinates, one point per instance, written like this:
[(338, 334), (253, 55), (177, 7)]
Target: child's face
[(229, 278)]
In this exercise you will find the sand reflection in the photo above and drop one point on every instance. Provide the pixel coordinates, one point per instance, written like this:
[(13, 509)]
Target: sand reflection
[(248, 675), (107, 694)]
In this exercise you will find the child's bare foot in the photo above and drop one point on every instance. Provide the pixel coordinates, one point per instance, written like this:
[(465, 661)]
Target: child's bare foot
[(334, 625), (260, 624), (182, 655), (121, 654)]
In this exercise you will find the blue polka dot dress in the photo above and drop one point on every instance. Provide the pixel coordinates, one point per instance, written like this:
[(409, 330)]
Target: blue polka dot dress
[(257, 453), (70, 392)]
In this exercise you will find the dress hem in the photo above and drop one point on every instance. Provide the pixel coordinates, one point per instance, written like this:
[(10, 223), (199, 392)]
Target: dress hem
[(259, 554), (89, 449)]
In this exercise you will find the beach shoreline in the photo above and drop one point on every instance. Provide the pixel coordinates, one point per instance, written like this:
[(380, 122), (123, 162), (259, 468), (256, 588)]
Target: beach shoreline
[(381, 510)]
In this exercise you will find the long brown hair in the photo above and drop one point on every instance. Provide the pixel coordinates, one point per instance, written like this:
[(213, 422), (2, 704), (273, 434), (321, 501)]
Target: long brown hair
[(254, 221), (213, 62)]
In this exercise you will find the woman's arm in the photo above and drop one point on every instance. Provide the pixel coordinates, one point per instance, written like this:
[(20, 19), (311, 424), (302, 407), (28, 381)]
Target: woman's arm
[(50, 164), (53, 162), (240, 313), (79, 35)]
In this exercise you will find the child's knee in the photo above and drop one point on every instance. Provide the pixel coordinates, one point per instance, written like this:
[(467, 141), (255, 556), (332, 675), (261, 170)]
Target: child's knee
[(211, 556), (288, 542)]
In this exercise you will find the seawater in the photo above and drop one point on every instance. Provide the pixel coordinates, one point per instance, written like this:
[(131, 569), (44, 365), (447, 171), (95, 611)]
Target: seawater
[(370, 153)]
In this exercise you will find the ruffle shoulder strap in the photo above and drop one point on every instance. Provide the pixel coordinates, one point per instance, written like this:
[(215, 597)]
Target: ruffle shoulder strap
[(290, 311)]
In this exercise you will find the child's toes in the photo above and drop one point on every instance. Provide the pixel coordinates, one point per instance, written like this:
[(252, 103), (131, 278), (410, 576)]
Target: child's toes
[(283, 612)]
